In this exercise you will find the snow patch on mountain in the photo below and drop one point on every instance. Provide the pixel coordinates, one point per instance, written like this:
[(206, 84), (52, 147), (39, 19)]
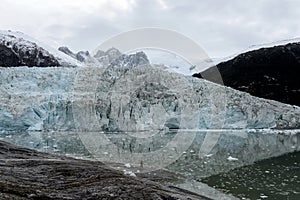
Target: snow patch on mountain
[(176, 63), (111, 57), (25, 44), (259, 46)]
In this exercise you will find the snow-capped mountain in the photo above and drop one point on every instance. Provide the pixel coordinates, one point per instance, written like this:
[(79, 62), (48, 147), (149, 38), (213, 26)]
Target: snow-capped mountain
[(131, 60), (269, 72), (106, 58), (19, 49), (259, 46)]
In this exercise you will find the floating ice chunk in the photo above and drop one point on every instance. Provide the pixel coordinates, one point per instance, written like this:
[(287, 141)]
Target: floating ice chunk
[(127, 165), (230, 158), (129, 173), (263, 196)]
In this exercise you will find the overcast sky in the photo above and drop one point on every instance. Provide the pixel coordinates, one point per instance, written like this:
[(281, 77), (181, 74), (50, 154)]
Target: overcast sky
[(221, 27)]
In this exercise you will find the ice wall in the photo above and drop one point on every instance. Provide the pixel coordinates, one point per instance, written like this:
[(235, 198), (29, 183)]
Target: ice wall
[(125, 99)]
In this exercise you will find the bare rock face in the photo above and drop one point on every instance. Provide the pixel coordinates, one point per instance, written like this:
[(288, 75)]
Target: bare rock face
[(28, 174), (67, 51), (18, 49), (271, 73), (19, 52), (8, 57)]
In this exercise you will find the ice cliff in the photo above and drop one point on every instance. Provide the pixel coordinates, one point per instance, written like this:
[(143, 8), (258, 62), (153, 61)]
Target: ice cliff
[(129, 98)]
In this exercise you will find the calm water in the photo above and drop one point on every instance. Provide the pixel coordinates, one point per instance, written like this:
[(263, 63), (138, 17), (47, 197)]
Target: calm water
[(276, 178)]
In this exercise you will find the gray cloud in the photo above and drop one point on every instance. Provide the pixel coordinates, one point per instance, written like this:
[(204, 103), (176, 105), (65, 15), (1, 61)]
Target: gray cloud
[(221, 27)]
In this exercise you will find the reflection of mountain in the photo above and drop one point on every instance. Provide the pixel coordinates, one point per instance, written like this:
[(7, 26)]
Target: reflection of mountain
[(136, 100), (271, 73)]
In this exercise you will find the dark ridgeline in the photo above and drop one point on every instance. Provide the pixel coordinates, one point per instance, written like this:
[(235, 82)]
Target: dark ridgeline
[(271, 73), (20, 52)]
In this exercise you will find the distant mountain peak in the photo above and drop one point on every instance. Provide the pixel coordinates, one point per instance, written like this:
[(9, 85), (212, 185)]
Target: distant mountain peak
[(110, 57)]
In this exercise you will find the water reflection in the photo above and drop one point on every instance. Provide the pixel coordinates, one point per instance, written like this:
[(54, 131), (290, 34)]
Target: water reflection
[(209, 153), (276, 178)]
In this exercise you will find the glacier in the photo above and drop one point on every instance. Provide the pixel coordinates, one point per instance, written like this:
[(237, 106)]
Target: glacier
[(140, 109), (48, 99)]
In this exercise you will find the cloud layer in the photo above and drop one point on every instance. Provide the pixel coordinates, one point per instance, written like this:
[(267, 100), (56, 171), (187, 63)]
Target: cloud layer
[(220, 27)]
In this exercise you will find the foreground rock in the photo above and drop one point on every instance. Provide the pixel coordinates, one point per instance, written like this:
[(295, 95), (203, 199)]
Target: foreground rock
[(271, 73), (28, 174)]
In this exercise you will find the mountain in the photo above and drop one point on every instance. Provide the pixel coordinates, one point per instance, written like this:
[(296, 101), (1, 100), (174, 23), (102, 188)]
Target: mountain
[(106, 58), (81, 56), (18, 49), (271, 73)]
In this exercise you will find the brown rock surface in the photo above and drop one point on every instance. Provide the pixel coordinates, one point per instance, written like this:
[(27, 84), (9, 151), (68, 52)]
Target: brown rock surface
[(29, 174)]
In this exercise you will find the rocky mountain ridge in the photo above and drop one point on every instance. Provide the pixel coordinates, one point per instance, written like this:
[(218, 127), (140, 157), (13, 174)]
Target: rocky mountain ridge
[(106, 58), (18, 49), (270, 73)]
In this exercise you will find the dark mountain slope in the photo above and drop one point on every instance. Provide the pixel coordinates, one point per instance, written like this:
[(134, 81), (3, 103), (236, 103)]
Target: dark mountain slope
[(271, 73), (18, 49)]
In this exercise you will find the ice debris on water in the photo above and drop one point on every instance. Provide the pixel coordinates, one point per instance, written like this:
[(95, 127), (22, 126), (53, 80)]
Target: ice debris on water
[(129, 173), (127, 165), (263, 196), (230, 158)]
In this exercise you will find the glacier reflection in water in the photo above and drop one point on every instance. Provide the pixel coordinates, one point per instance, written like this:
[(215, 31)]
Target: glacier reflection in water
[(233, 148), (227, 166)]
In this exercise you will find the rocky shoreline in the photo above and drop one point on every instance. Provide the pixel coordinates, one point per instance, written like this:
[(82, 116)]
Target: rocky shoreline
[(29, 174)]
